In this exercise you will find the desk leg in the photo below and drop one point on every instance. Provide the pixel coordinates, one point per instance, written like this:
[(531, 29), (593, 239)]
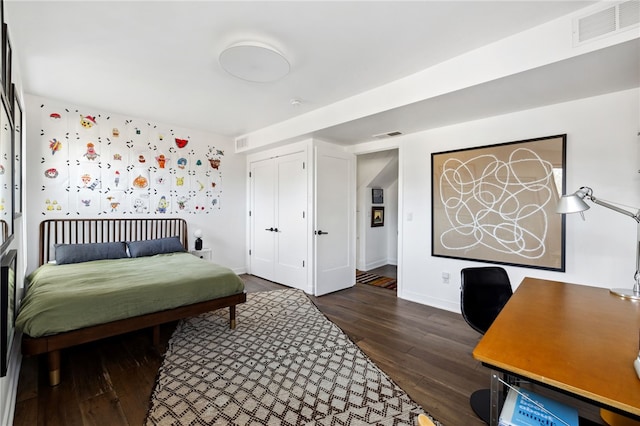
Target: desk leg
[(496, 387), (498, 394)]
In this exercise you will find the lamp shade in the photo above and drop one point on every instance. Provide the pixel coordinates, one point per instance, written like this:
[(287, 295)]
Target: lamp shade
[(574, 203), (571, 204), (197, 233)]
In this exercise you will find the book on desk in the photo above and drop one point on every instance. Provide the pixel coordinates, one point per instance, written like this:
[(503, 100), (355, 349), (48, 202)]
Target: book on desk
[(525, 408)]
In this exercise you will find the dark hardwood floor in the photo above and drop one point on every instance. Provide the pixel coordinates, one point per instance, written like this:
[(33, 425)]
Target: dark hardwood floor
[(426, 351), (390, 271)]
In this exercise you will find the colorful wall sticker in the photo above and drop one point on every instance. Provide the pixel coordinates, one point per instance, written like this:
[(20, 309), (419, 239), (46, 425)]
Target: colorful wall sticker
[(96, 164)]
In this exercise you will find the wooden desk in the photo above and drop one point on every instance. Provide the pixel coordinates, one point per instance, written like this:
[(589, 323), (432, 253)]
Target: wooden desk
[(577, 339)]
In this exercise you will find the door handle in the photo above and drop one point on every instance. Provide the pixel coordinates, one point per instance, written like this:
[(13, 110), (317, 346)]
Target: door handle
[(275, 230), (269, 229), (321, 233)]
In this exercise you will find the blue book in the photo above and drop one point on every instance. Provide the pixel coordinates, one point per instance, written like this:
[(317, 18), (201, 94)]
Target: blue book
[(525, 408)]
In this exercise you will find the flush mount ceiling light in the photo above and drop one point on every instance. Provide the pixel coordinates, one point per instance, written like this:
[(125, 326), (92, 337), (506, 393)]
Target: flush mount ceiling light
[(254, 61)]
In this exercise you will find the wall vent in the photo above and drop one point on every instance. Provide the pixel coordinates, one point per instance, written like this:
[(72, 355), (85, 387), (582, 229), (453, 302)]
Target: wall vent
[(606, 22), (629, 13), (241, 143), (387, 135)]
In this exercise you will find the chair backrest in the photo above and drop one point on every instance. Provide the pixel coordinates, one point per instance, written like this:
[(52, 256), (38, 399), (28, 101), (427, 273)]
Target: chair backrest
[(483, 293)]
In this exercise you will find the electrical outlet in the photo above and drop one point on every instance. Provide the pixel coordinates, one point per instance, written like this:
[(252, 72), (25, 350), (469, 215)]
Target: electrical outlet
[(445, 278)]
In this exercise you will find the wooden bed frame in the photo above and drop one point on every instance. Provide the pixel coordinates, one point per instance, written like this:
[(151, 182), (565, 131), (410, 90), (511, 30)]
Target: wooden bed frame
[(75, 231)]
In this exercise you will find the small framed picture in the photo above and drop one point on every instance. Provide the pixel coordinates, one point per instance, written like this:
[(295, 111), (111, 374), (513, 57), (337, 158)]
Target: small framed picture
[(377, 216), (376, 196)]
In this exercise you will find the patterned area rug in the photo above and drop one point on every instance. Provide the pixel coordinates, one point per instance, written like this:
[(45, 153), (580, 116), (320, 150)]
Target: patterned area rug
[(377, 280), (284, 364)]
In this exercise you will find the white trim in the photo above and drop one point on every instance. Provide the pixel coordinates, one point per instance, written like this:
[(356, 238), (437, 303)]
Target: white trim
[(9, 383)]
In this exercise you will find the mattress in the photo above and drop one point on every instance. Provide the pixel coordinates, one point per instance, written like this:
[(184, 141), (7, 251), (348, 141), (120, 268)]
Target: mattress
[(68, 297)]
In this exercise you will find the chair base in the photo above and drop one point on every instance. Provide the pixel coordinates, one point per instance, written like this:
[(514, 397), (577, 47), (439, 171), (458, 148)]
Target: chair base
[(480, 402)]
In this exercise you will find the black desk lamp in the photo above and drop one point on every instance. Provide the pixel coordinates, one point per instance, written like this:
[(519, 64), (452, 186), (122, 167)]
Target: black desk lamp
[(575, 203)]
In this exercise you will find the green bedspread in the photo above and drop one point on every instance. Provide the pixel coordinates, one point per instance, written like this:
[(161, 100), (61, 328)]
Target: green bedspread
[(67, 297)]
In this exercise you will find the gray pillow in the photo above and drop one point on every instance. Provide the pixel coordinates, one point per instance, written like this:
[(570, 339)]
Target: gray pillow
[(77, 253), (153, 247)]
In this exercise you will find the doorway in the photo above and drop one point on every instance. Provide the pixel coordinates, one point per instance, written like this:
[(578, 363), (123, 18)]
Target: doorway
[(389, 271), (377, 215)]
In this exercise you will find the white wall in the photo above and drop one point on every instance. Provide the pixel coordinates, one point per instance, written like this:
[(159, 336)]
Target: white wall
[(381, 243), (391, 222), (377, 246), (376, 241), (223, 229), (602, 153)]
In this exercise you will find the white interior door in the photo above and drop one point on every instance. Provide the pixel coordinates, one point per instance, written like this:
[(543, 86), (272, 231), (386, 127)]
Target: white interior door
[(335, 216), (291, 235), (262, 220)]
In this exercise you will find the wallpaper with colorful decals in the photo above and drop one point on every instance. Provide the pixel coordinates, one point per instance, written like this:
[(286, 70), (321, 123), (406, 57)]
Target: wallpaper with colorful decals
[(92, 164)]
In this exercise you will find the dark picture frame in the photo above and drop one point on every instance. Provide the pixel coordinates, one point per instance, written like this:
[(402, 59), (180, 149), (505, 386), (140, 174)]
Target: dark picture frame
[(17, 155), (377, 216), (6, 177), (6, 61), (497, 203), (377, 196), (2, 43), (8, 307)]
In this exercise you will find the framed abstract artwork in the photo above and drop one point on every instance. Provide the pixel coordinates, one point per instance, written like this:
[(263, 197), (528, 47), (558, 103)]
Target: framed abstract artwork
[(497, 203)]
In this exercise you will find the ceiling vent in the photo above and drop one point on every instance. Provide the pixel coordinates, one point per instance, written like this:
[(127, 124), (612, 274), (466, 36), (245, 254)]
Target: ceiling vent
[(241, 144), (387, 135), (606, 22)]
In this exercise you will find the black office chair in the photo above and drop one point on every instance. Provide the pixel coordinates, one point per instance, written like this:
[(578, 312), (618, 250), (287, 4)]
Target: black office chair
[(483, 293)]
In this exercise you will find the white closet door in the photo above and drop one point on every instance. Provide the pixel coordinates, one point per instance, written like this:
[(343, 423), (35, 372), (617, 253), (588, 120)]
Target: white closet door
[(334, 220), (263, 221), (291, 205)]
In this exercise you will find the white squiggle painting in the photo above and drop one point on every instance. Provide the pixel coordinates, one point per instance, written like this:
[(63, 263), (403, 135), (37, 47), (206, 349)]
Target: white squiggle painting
[(498, 206)]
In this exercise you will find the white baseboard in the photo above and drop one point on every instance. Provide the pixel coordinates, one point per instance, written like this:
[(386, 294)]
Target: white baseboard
[(378, 263), (447, 305), (373, 265), (239, 271)]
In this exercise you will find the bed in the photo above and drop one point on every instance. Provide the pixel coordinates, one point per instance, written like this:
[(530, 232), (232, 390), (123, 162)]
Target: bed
[(98, 278)]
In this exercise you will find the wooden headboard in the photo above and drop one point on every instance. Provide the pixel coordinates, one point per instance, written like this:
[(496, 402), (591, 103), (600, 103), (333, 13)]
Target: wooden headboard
[(79, 231)]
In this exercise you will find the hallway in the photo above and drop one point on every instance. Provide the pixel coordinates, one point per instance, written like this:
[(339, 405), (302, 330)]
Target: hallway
[(390, 271)]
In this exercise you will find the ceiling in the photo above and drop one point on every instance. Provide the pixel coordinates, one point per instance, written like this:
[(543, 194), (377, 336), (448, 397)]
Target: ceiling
[(159, 59), (603, 71)]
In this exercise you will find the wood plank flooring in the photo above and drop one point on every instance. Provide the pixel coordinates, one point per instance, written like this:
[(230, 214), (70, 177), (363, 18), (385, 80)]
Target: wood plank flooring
[(426, 351), (390, 271)]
